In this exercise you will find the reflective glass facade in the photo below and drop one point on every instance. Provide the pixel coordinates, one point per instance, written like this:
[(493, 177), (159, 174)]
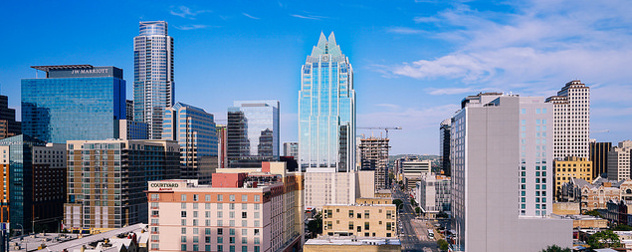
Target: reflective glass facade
[(327, 111), (71, 105), (195, 131), (253, 132), (153, 75)]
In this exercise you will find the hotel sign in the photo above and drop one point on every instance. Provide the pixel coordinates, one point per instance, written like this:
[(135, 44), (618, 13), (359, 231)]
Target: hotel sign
[(86, 72), (163, 186)]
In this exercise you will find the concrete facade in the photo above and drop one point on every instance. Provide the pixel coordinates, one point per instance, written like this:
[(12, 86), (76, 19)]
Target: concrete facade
[(434, 194), (619, 161), (360, 220), (489, 176), (323, 188), (571, 121)]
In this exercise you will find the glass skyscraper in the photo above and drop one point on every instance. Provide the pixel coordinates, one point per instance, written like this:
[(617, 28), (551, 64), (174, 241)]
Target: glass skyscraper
[(73, 102), (194, 129), (327, 112), (153, 75), (253, 133)]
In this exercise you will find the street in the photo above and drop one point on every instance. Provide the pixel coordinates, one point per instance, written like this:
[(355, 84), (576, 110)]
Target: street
[(413, 233)]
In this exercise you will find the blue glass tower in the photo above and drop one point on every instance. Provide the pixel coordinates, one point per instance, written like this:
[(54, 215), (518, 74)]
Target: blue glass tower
[(73, 102), (327, 112)]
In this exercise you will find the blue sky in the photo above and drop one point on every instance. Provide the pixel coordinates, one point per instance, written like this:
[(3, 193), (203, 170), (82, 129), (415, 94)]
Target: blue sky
[(413, 60)]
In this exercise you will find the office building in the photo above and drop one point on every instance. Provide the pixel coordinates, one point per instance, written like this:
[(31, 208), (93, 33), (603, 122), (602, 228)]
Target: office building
[(494, 207), (570, 167), (154, 87), (8, 125), (253, 133), (412, 171), (571, 120), (256, 209), (73, 102), (34, 174), (619, 161), (327, 112), (599, 157), (360, 220), (290, 149), (129, 110), (130, 130), (374, 157), (106, 180), (434, 194), (444, 146), (195, 132), (222, 137)]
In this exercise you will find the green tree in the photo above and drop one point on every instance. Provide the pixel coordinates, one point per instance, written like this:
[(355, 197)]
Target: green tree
[(413, 202), (604, 239), (556, 248), (594, 213), (398, 202), (443, 245), (418, 210), (622, 227), (315, 226)]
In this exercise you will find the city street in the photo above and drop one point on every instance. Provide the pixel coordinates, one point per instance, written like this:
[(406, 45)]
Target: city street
[(413, 233)]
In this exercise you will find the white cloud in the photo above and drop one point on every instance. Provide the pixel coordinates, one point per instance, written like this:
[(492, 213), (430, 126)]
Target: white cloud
[(404, 30), (449, 91), (249, 16), (312, 17), (191, 27), (186, 12), (425, 19)]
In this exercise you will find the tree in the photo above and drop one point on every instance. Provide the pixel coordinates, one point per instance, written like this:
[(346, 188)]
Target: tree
[(594, 213), (556, 248), (417, 210), (622, 227), (398, 202), (604, 239), (443, 245), (413, 202), (315, 226)]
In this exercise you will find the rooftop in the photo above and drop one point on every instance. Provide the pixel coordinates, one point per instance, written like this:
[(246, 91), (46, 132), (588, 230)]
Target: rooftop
[(352, 240), (58, 67)]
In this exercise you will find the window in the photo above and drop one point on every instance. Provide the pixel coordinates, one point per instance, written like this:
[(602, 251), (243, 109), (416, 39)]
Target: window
[(256, 206), (244, 215), (183, 205), (244, 248), (195, 197), (231, 231), (207, 197), (220, 248), (220, 214), (244, 223), (183, 247), (183, 238), (231, 239), (183, 197), (244, 206), (183, 231), (256, 231), (366, 225), (350, 213), (231, 197), (244, 240), (231, 206), (366, 214), (220, 231), (220, 197), (244, 197), (257, 198), (220, 239), (207, 231), (183, 222)]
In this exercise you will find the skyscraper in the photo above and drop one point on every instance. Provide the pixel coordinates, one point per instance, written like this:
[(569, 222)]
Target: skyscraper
[(73, 102), (327, 125), (619, 161), (502, 175), (154, 88), (253, 133), (327, 112), (571, 121), (599, 157), (194, 129), (8, 125), (444, 146)]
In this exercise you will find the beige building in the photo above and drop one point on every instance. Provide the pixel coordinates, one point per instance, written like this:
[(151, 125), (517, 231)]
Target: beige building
[(323, 188), (596, 195), (360, 220), (352, 244), (571, 167), (571, 121), (619, 161)]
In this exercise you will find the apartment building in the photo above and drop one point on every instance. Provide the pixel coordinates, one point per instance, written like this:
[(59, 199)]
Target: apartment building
[(361, 220)]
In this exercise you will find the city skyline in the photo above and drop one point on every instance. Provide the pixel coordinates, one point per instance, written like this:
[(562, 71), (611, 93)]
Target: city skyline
[(413, 61)]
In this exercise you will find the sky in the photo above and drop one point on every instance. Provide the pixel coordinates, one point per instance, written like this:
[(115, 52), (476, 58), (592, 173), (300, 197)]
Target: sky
[(414, 61)]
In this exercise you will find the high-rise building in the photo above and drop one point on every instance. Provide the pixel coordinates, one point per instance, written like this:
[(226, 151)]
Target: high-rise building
[(599, 157), (571, 121), (34, 189), (619, 161), (412, 170), (256, 210), (327, 112), (570, 167), (129, 130), (107, 179), (195, 132), (154, 86), (496, 207), (374, 157), (444, 146), (73, 102), (222, 137), (290, 149), (129, 109), (253, 133), (8, 125)]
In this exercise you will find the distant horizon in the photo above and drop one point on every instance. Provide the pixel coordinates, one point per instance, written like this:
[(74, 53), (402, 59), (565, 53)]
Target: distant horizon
[(413, 61)]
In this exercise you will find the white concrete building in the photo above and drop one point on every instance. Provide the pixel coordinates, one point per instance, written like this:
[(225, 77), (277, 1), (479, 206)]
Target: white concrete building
[(323, 188), (571, 122), (413, 170), (433, 193), (619, 161), (502, 175)]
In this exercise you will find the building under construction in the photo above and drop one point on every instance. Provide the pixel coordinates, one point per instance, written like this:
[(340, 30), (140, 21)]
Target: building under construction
[(374, 156)]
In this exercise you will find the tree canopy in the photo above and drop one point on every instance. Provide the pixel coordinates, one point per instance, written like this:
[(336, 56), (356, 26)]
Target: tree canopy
[(604, 239), (556, 248)]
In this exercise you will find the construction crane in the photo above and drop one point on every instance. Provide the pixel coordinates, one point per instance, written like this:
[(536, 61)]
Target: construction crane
[(386, 129)]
